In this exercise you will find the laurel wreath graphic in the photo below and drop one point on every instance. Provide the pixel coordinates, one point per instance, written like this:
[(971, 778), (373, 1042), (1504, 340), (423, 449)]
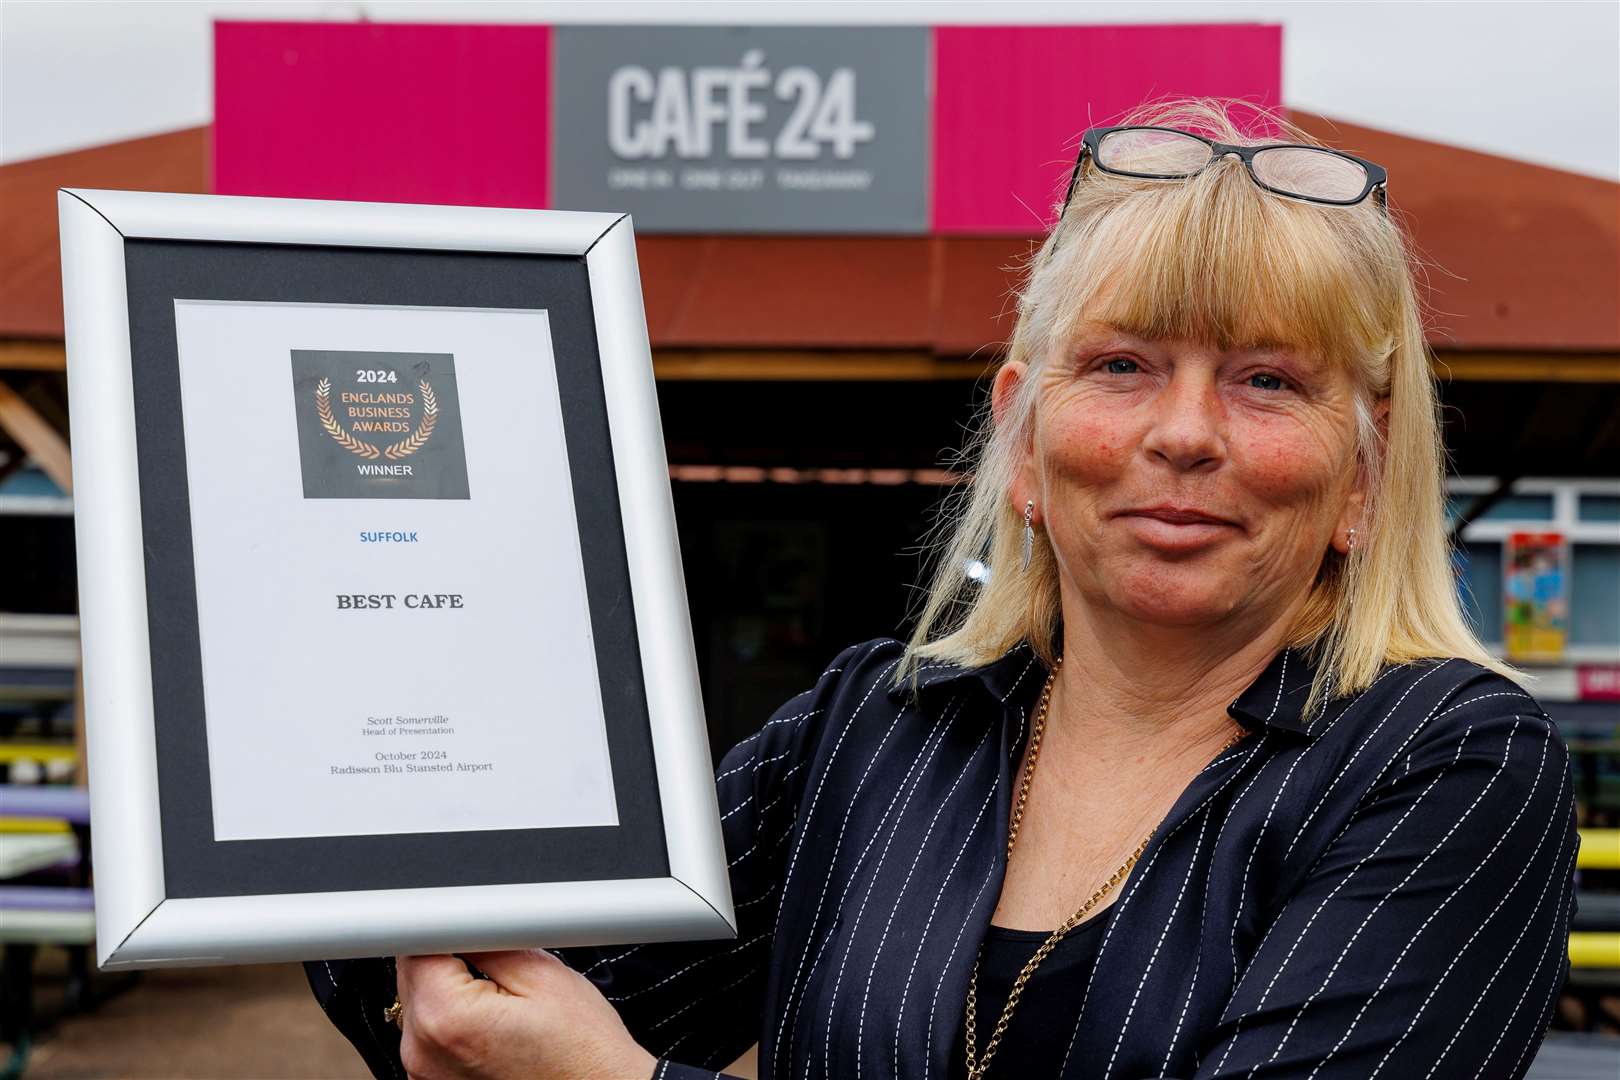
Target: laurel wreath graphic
[(424, 430), (404, 448), (323, 406)]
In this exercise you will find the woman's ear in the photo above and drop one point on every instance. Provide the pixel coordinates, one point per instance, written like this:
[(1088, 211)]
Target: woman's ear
[(1004, 392), (1369, 462), (1003, 388)]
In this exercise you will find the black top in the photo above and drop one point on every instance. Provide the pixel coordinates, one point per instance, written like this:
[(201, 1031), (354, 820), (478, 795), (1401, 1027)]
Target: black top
[(1027, 1048), (1380, 889)]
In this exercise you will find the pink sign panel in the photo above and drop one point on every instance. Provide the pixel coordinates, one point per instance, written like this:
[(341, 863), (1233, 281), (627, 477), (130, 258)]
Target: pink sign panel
[(1012, 102), (385, 113)]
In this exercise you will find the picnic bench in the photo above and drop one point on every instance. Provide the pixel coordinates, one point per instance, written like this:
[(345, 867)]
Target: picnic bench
[(1594, 938), (45, 899)]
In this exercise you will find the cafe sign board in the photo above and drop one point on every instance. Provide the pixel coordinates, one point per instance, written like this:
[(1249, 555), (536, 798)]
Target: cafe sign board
[(746, 129), (896, 130)]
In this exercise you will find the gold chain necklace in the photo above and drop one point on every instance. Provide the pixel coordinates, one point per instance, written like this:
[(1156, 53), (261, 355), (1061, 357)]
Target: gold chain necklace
[(976, 1069)]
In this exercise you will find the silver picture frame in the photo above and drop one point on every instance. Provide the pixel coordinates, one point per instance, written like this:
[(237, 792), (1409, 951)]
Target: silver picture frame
[(139, 924)]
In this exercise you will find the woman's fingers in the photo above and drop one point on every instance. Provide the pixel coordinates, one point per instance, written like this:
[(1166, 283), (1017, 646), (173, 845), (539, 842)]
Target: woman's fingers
[(442, 1002), (533, 1017), (433, 975), (517, 971), (436, 991)]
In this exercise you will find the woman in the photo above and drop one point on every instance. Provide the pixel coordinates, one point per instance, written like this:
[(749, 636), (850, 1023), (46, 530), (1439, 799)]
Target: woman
[(1209, 770)]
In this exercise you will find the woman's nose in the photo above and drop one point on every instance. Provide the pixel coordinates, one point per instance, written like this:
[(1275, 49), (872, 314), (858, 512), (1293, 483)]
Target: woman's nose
[(1187, 432)]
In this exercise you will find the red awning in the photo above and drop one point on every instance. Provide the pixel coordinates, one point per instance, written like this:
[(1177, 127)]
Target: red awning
[(1520, 257)]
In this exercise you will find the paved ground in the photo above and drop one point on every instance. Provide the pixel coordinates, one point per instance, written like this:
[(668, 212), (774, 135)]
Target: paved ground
[(257, 1022), (262, 1023)]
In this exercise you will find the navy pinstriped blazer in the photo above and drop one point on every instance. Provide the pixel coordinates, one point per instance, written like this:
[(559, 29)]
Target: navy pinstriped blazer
[(1383, 889)]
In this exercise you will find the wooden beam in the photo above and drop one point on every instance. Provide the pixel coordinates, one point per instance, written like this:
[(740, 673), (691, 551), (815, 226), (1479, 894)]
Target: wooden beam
[(25, 355), (37, 437), (1527, 367), (1481, 504), (804, 365), (813, 365)]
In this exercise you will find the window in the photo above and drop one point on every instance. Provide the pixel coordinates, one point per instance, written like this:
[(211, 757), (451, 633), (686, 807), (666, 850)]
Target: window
[(1480, 583), (1599, 507), (1509, 508), (1594, 596), (1587, 514)]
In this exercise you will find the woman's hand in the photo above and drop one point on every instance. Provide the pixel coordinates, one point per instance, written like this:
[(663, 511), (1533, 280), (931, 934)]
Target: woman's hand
[(534, 1018)]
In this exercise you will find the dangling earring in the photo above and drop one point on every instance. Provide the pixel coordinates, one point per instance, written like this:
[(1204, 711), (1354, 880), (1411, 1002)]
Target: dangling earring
[(1029, 532), (1350, 538)]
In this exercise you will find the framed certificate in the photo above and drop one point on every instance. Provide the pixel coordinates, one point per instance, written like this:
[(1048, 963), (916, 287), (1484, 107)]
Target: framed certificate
[(385, 638)]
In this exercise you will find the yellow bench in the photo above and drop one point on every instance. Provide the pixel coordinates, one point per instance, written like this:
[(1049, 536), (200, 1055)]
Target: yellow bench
[(1591, 949), (11, 753), (1600, 850)]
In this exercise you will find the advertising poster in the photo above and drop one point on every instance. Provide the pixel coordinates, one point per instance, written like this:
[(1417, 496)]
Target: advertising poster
[(1535, 596)]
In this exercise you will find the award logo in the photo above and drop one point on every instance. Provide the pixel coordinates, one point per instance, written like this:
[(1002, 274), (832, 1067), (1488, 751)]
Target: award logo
[(378, 425)]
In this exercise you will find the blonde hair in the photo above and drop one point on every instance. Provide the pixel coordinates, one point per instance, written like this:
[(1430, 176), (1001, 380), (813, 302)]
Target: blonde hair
[(1217, 259)]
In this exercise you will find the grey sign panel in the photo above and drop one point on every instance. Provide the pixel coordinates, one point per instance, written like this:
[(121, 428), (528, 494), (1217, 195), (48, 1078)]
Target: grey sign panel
[(743, 129)]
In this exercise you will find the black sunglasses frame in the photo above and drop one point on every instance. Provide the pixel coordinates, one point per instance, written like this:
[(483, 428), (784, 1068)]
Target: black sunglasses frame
[(1091, 143)]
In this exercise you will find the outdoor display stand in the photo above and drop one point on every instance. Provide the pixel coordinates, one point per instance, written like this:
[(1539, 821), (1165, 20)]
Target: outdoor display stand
[(385, 639)]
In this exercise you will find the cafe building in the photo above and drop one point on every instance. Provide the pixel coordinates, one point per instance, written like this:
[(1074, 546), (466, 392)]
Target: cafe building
[(830, 224)]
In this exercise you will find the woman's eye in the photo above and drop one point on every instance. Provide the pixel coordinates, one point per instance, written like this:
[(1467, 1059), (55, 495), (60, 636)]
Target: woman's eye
[(1263, 381), (1121, 366)]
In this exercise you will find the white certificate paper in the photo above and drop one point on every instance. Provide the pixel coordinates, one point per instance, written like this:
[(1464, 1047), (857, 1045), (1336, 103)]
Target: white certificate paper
[(391, 601)]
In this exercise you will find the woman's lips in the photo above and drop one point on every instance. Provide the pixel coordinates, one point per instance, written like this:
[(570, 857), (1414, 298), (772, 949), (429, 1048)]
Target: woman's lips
[(1175, 528), (1175, 515)]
